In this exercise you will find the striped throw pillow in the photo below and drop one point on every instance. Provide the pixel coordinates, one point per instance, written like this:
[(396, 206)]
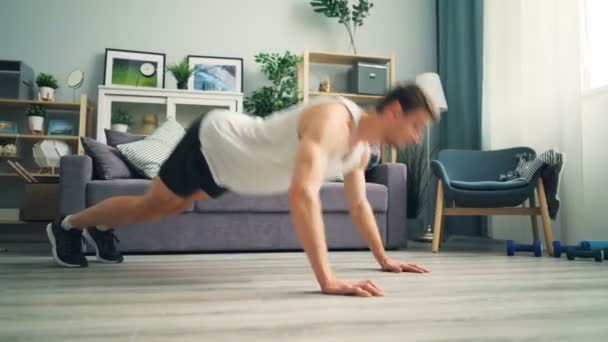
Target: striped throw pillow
[(149, 154)]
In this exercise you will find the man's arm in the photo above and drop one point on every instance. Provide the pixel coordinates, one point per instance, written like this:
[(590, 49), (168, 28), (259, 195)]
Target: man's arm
[(361, 211), (305, 207), (363, 218), (319, 138)]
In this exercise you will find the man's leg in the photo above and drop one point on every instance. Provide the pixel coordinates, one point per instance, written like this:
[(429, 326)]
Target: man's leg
[(118, 211), (65, 235)]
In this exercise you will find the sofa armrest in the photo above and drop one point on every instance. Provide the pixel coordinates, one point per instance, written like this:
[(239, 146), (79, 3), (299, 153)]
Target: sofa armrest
[(75, 172), (394, 177)]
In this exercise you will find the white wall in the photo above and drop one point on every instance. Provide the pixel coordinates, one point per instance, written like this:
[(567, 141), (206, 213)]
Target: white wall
[(595, 167), (60, 35)]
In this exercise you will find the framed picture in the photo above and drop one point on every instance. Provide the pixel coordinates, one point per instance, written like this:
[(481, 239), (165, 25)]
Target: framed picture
[(60, 127), (216, 73), (134, 69), (8, 127)]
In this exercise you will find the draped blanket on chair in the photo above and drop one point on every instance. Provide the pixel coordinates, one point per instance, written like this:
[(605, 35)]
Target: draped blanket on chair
[(550, 163)]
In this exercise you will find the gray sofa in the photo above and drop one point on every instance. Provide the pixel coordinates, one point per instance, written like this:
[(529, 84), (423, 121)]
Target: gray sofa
[(240, 223)]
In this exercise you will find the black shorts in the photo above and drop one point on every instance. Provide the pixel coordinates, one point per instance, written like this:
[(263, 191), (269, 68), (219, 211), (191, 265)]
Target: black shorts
[(186, 170)]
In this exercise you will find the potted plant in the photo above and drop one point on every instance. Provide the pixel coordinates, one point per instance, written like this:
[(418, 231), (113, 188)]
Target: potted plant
[(350, 18), (35, 117), (121, 120), (47, 84), (182, 72), (282, 71)]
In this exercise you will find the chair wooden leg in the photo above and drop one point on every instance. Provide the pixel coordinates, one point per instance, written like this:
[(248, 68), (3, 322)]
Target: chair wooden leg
[(544, 209), (438, 218), (533, 218)]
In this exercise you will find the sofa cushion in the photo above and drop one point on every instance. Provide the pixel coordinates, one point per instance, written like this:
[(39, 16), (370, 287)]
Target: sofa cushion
[(147, 155), (99, 190), (108, 162), (333, 199), (115, 138)]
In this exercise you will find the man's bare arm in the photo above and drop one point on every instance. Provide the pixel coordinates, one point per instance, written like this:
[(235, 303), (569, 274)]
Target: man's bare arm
[(361, 211), (321, 137), (363, 218)]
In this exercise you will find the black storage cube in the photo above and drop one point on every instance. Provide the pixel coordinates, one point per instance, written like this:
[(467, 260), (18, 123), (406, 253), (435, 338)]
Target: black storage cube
[(16, 80)]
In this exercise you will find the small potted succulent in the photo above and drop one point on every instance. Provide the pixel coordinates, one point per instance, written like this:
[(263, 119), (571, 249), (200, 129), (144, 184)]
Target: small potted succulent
[(35, 117), (182, 72), (121, 120), (47, 84)]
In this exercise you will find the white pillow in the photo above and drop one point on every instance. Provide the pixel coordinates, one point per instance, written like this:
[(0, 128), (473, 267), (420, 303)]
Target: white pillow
[(148, 154)]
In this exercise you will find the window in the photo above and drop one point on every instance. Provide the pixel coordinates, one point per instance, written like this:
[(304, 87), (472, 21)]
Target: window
[(596, 51)]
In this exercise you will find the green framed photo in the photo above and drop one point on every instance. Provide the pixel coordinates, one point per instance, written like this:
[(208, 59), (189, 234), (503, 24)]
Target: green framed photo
[(134, 69)]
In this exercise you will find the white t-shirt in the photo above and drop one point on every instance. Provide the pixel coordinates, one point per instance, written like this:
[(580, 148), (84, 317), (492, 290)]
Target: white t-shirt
[(250, 154)]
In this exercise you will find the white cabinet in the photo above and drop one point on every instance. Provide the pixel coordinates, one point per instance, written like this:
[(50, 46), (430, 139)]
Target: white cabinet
[(183, 105)]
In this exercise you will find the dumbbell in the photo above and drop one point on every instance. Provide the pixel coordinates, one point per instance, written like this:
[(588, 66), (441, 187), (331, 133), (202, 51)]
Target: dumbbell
[(589, 245), (559, 249), (597, 254), (513, 247)]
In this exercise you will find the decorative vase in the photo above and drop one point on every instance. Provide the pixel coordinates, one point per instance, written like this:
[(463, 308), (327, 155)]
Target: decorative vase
[(149, 123), (35, 123), (120, 127), (183, 85), (46, 94), (325, 86)]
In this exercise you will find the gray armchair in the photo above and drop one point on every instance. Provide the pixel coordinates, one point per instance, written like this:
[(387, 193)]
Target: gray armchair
[(469, 186)]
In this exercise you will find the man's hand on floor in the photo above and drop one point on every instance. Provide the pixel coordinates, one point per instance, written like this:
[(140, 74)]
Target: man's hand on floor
[(364, 288), (390, 265)]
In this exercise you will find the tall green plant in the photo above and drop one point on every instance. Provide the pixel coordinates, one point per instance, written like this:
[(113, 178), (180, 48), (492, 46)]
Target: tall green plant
[(282, 71), (351, 19), (414, 157)]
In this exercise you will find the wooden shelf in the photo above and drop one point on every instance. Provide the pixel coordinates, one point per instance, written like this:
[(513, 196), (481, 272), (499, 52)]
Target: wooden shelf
[(12, 222), (38, 137), (8, 174), (48, 104), (342, 58), (319, 57), (354, 97)]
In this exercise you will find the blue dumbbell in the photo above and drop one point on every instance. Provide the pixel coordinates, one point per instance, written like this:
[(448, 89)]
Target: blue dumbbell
[(513, 247), (589, 245), (559, 249)]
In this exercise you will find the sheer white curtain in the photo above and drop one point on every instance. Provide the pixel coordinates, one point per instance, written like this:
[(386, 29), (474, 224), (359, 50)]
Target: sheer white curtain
[(532, 95)]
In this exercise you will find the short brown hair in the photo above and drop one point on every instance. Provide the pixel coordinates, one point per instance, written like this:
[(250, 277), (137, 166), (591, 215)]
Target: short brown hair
[(409, 95)]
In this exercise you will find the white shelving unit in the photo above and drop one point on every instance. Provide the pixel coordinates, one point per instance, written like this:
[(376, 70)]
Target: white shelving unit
[(182, 105)]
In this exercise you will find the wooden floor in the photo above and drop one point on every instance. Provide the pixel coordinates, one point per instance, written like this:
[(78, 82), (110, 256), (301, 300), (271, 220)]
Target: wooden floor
[(469, 296)]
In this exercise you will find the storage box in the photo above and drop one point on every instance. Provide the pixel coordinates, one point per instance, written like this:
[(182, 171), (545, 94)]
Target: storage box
[(41, 202), (16, 80), (368, 78)]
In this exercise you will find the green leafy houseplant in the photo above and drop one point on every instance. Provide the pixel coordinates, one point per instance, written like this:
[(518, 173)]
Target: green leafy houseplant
[(414, 157), (340, 9), (35, 117), (182, 72), (281, 70), (36, 110), (122, 117), (46, 80)]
